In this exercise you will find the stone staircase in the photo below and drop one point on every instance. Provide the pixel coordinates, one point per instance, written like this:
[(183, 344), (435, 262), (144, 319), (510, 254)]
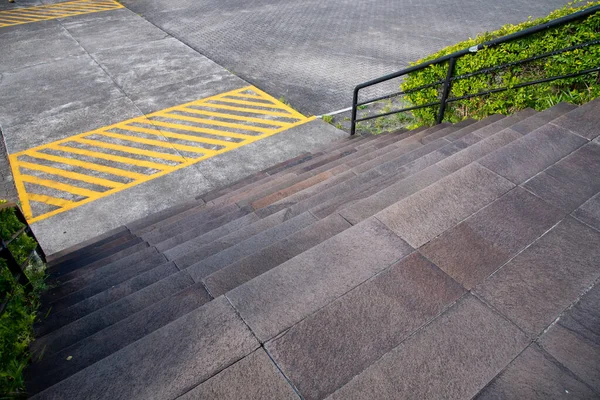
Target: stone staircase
[(425, 264)]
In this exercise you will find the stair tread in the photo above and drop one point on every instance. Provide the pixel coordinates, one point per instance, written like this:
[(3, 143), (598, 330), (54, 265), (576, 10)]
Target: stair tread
[(198, 343)]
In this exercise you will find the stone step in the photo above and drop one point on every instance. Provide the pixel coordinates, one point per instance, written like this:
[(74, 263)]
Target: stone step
[(322, 205), (166, 240), (63, 286), (570, 182), (190, 252), (277, 299), (442, 360), (522, 159), (86, 247), (187, 352), (75, 282), (326, 162), (471, 146), (503, 123), (474, 249), (100, 300), (147, 223), (448, 130), (369, 179), (251, 266), (113, 278), (474, 126), (106, 316), (583, 120), (424, 215), (253, 377), (199, 217), (208, 265), (208, 235), (102, 344), (108, 252), (353, 332)]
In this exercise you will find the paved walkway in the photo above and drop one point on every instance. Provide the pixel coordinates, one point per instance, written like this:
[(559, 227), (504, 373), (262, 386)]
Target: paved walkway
[(94, 124), (314, 52)]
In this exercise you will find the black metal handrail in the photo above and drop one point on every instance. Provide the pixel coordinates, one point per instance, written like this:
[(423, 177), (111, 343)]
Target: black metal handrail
[(450, 77), (18, 270)]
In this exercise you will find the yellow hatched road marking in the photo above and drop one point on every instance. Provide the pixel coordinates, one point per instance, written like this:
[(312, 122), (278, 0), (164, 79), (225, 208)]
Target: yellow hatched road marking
[(152, 140), (247, 110), (231, 116), (109, 157), (157, 142), (220, 123), (58, 185), (71, 175), (87, 165), (132, 150), (28, 15), (55, 201)]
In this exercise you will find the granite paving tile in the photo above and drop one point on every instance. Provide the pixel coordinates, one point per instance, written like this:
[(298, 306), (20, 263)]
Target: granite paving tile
[(589, 212), (584, 120), (354, 213), (475, 248), (453, 357), (167, 362), (185, 256), (278, 298), (233, 275), (477, 149), (114, 293), (429, 212), (570, 182), (547, 277), (253, 377), (574, 339), (537, 376), (96, 321), (351, 333), (249, 246), (525, 157)]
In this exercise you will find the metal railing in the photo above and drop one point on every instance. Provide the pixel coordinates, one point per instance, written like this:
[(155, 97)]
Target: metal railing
[(17, 269), (451, 59)]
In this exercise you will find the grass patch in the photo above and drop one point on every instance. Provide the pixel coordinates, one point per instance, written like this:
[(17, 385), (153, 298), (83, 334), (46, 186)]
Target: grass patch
[(577, 90), (16, 323)]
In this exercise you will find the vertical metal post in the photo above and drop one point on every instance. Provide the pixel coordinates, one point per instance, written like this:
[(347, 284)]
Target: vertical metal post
[(354, 111), (446, 92), (13, 266)]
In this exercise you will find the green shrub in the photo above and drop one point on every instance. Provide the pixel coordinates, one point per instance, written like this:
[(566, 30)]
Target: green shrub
[(575, 90), (16, 323)]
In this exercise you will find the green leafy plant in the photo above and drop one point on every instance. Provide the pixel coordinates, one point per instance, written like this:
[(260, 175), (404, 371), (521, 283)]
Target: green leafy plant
[(577, 90), (16, 323), (328, 119)]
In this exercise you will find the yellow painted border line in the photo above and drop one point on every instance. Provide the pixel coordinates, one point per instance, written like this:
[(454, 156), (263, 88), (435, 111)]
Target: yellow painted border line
[(136, 178)]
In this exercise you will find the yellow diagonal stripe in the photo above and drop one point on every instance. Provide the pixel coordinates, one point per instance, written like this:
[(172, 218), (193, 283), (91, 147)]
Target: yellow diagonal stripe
[(29, 15), (148, 137), (58, 186), (71, 175), (231, 116)]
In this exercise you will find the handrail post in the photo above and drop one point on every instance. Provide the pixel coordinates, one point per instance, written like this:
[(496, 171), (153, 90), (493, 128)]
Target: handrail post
[(354, 112), (446, 92), (14, 267)]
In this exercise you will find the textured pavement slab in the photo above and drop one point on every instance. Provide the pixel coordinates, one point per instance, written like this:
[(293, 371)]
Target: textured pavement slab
[(452, 357), (211, 338), (531, 291), (536, 375), (574, 339), (312, 52), (64, 78)]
